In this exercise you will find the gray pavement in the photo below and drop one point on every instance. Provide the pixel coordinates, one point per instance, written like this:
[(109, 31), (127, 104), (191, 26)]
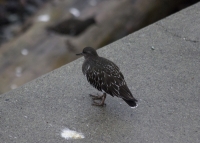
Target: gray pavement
[(161, 64)]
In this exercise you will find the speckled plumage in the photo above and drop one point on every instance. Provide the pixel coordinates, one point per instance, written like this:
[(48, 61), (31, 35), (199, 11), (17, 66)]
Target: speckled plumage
[(105, 76)]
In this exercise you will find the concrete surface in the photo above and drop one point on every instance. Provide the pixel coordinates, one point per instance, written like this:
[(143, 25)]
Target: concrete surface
[(161, 64)]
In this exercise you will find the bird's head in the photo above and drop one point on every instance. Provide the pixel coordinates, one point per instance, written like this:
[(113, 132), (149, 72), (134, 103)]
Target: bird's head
[(88, 52)]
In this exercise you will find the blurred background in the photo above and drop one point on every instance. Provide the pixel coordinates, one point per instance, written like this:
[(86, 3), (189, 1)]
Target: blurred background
[(38, 36)]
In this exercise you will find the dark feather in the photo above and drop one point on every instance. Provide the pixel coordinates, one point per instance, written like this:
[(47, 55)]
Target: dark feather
[(132, 103)]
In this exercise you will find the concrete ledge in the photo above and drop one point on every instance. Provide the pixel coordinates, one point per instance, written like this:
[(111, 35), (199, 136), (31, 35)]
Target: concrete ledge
[(161, 64)]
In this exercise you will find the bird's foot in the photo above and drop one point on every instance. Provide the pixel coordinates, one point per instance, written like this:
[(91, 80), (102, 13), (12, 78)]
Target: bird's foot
[(98, 97), (98, 104)]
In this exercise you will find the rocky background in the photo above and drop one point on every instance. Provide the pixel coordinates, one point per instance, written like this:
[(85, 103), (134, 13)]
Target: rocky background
[(38, 36)]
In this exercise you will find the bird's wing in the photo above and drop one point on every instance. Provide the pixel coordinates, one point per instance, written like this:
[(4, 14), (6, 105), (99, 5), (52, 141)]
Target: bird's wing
[(115, 85), (109, 80)]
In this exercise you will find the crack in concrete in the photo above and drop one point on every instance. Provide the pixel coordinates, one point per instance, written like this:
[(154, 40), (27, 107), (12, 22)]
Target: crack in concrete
[(176, 35)]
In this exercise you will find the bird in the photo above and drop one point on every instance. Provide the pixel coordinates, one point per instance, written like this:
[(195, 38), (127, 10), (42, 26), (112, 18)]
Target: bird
[(105, 76), (72, 26)]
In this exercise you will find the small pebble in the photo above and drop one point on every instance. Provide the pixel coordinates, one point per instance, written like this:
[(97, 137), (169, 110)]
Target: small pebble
[(152, 48)]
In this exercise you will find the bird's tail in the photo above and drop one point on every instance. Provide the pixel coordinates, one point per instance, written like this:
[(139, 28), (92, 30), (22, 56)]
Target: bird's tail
[(131, 102)]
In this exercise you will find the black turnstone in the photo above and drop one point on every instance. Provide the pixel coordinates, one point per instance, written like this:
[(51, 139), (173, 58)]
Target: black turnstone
[(105, 76), (72, 26)]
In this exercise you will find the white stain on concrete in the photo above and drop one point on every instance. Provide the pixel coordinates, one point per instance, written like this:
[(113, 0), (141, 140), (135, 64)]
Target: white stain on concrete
[(70, 134)]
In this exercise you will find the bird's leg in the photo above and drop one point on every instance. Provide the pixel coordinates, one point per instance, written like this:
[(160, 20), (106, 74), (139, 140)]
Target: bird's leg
[(102, 98), (96, 97)]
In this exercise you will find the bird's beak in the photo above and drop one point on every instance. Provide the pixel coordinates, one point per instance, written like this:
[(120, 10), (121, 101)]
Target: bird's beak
[(80, 54)]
